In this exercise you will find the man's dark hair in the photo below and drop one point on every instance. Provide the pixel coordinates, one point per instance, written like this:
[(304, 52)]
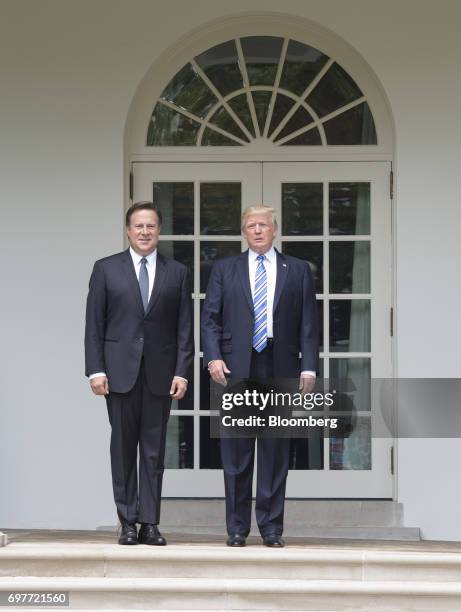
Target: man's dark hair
[(145, 205)]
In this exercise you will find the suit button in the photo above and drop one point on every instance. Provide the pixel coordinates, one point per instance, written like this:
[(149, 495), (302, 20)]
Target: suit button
[(140, 339)]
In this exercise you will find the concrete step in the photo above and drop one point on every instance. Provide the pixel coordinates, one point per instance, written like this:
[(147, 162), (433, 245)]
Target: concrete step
[(213, 561), (246, 594), (310, 512), (312, 518), (409, 534)]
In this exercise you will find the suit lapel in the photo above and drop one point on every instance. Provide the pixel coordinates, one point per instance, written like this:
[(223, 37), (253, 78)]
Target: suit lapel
[(159, 280), (282, 273), (244, 275), (130, 273)]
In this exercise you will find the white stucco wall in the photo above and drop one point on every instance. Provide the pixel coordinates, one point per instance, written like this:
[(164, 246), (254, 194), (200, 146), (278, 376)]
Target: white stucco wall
[(68, 72)]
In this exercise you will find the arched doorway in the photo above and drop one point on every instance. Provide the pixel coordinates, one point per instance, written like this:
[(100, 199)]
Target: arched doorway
[(266, 110)]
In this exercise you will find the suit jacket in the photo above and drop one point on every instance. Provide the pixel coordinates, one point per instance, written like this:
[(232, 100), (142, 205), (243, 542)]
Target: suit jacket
[(227, 318), (119, 334)]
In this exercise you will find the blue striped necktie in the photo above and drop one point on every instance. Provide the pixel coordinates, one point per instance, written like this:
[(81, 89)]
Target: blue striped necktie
[(260, 306)]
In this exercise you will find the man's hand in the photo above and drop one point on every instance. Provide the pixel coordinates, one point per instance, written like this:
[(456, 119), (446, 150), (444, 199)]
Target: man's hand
[(100, 385), (306, 383), (217, 370), (178, 388)]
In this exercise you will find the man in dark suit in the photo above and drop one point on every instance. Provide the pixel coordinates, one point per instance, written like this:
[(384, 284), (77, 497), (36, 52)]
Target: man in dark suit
[(139, 351), (259, 314)]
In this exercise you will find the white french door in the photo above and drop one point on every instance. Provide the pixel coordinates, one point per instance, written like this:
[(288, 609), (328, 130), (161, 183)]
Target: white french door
[(337, 216), (201, 204)]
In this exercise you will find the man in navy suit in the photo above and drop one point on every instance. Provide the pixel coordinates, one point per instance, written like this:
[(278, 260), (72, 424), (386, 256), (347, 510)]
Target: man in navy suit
[(259, 315), (138, 352)]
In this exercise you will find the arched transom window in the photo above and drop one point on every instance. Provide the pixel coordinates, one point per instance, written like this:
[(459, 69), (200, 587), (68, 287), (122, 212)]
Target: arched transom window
[(261, 87)]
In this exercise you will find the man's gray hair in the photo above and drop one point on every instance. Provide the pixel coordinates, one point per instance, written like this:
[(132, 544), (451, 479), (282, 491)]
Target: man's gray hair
[(259, 209)]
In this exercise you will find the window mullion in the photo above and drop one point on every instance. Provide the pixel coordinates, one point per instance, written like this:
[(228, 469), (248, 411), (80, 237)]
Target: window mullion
[(278, 76), (343, 109), (221, 99), (246, 83), (303, 96)]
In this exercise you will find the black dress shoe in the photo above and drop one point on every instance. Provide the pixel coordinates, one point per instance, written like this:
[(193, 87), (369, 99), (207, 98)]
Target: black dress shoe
[(149, 534), (128, 534), (273, 540), (236, 539)]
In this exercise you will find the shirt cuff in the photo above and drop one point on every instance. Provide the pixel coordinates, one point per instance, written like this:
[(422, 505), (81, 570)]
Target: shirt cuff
[(181, 378), (310, 373), (91, 376)]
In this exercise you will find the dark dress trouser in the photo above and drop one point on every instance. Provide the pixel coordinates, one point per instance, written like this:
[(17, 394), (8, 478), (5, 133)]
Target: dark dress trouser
[(138, 417), (272, 469)]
